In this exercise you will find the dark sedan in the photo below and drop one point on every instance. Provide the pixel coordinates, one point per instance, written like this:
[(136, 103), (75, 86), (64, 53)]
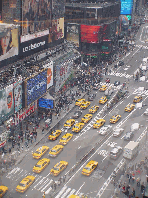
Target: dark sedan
[(77, 114), (116, 83), (91, 97)]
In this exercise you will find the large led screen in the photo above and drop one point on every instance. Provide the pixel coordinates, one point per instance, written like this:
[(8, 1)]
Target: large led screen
[(73, 33), (36, 15), (35, 87), (17, 87), (6, 103), (90, 33), (126, 7), (8, 42)]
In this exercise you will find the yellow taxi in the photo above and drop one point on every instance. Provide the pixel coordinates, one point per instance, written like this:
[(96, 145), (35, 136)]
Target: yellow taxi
[(79, 102), (3, 190), (65, 139), (56, 150), (99, 123), (86, 118), (54, 134), (103, 100), (103, 88), (93, 109), (40, 165), (115, 119), (129, 107), (84, 105), (137, 99), (25, 184), (40, 152), (73, 196), (58, 168), (89, 168), (69, 123), (77, 127)]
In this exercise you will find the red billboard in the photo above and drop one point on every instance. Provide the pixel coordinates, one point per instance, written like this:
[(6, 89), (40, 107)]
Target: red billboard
[(91, 33)]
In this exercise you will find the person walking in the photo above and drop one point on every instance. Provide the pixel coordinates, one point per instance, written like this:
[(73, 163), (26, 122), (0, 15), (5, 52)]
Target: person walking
[(142, 188), (43, 195), (34, 138), (43, 130)]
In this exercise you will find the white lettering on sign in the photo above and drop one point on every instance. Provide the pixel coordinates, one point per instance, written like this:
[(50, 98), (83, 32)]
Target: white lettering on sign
[(33, 46)]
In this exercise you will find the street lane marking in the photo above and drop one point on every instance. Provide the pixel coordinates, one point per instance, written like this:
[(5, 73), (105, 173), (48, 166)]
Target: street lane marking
[(46, 185), (80, 188), (67, 191)]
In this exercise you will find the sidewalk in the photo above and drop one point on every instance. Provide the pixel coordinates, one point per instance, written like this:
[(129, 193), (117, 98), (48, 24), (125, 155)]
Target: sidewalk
[(16, 156)]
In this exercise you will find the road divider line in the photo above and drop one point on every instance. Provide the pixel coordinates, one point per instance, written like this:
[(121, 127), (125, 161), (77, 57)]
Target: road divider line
[(47, 185)]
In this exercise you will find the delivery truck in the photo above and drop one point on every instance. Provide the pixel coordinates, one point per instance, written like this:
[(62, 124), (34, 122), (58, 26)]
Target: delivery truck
[(131, 149)]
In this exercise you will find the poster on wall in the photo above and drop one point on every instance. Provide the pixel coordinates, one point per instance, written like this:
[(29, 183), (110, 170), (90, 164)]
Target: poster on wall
[(17, 87), (36, 15), (49, 67), (35, 87), (8, 42), (56, 30), (6, 103), (73, 33)]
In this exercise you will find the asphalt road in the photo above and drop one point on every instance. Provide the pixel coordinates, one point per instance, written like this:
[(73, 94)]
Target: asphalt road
[(84, 141)]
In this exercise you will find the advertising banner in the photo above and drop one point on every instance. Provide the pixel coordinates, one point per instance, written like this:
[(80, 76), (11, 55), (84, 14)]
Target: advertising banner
[(36, 15), (46, 103), (90, 33), (126, 7), (35, 87), (73, 33), (62, 73), (6, 103), (56, 30), (22, 114), (8, 42), (32, 46), (17, 87), (49, 67)]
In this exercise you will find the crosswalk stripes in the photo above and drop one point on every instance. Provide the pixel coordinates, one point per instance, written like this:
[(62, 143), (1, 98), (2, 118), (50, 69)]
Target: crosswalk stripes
[(143, 93), (65, 192), (42, 184), (120, 74)]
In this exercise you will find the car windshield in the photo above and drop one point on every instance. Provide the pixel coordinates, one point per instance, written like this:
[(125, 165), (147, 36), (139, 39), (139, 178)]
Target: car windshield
[(68, 123), (53, 134), (64, 138), (21, 184), (53, 151), (56, 168), (87, 168), (93, 108), (38, 165), (76, 127), (114, 118), (84, 104), (85, 117), (1, 191), (38, 152)]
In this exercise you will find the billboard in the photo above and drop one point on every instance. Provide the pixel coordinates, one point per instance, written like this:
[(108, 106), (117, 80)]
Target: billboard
[(106, 46), (8, 42), (35, 87), (6, 103), (46, 103), (62, 73), (56, 30), (106, 31), (73, 33), (58, 9), (126, 7), (49, 67), (91, 33), (17, 88), (36, 15)]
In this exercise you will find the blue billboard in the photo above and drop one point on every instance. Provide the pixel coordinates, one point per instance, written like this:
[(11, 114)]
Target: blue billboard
[(126, 7), (46, 103), (36, 86)]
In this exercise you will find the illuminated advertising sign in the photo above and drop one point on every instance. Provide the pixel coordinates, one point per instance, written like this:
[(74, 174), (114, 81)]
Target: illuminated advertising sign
[(49, 67), (106, 46), (73, 33), (56, 30), (22, 114), (36, 15), (35, 87), (129, 17), (126, 7), (91, 33), (17, 87), (46, 103), (6, 103), (8, 42)]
